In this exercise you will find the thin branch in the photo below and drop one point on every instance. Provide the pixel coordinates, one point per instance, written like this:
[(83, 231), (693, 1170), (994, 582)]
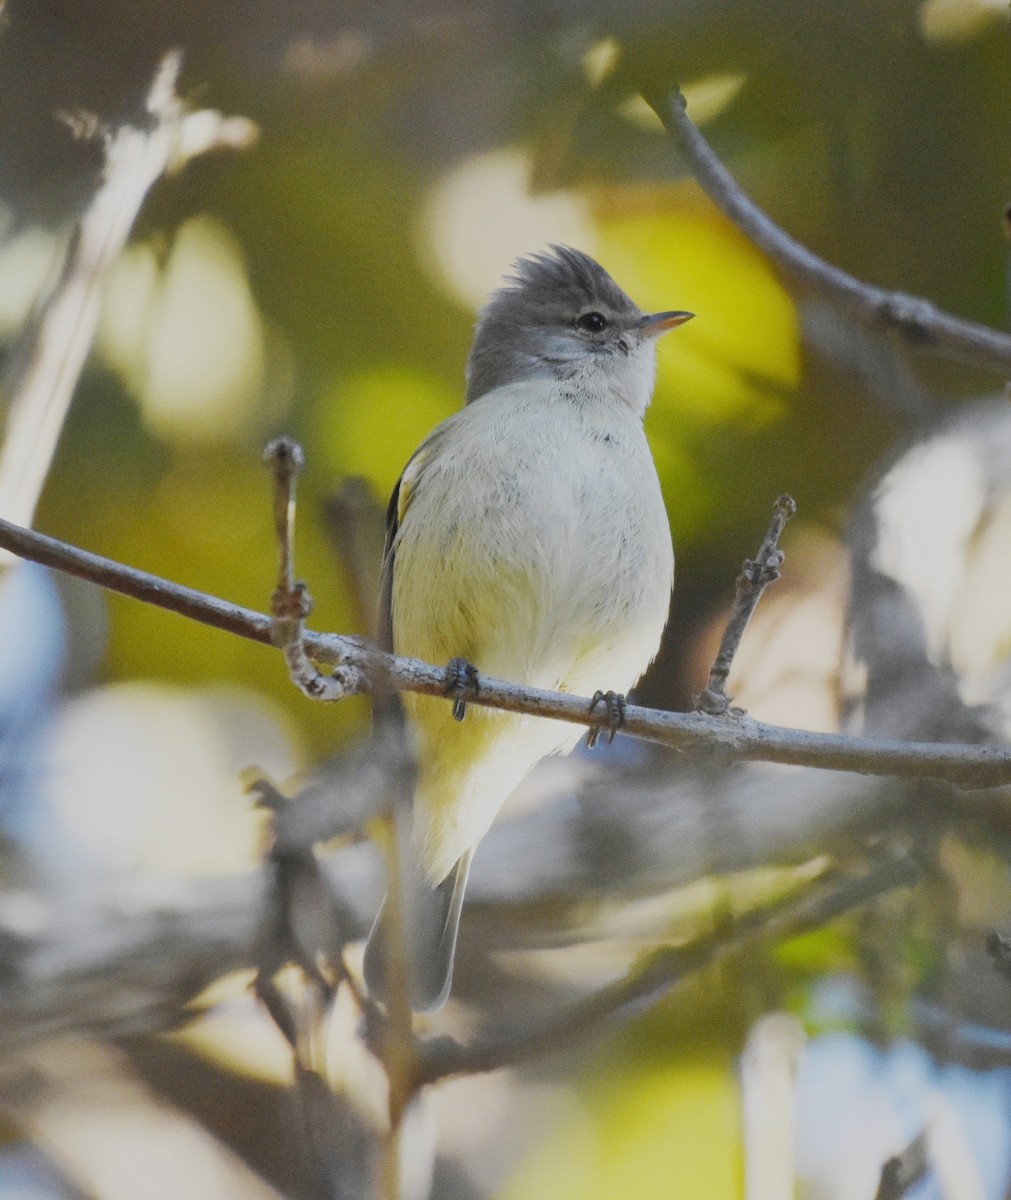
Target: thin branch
[(919, 322), (664, 969), (754, 578), (738, 738), (107, 573), (136, 156), (355, 523)]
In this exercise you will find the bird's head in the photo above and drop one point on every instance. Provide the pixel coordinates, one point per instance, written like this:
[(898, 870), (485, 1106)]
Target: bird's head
[(561, 316)]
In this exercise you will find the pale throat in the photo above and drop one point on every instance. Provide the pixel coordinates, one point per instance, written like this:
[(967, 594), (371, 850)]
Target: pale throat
[(627, 379)]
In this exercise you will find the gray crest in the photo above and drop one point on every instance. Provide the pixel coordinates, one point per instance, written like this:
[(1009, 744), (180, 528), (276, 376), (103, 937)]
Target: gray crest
[(528, 327)]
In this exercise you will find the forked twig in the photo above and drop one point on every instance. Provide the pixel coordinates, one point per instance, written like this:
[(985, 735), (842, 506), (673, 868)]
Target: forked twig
[(755, 577)]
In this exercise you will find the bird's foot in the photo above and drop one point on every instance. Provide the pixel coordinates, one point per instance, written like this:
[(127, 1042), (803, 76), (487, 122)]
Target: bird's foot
[(615, 705), (461, 685)]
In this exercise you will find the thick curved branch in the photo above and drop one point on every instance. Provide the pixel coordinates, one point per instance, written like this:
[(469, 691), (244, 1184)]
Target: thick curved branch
[(360, 667), (919, 322)]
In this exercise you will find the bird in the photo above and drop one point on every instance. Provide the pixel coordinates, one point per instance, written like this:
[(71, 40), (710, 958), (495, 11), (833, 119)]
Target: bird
[(527, 539)]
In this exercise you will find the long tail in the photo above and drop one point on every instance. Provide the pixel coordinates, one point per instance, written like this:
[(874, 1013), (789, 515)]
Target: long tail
[(431, 924)]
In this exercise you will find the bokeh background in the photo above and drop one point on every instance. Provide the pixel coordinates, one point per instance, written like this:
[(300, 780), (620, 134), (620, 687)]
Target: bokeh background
[(324, 283)]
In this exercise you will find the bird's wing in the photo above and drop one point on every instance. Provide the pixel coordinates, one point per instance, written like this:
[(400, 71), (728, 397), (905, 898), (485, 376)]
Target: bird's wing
[(400, 500), (388, 708)]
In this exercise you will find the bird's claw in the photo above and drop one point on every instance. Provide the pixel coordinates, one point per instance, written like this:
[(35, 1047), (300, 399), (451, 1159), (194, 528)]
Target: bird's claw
[(461, 685), (615, 705)]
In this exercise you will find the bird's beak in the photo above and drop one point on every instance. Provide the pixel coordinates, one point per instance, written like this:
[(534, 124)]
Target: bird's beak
[(653, 324)]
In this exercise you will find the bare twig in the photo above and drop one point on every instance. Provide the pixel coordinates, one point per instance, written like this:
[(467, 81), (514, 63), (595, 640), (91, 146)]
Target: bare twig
[(664, 969), (919, 322), (286, 458), (290, 602), (999, 949), (355, 523), (738, 738), (290, 605), (135, 157), (754, 578), (904, 1170)]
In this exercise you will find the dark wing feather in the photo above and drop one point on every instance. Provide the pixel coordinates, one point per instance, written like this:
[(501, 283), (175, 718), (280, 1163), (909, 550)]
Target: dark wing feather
[(384, 630), (387, 708)]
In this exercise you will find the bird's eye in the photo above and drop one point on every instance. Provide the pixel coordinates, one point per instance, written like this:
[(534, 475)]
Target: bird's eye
[(592, 322)]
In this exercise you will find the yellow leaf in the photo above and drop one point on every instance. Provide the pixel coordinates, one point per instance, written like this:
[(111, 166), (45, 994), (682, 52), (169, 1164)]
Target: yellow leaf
[(656, 1133), (742, 351)]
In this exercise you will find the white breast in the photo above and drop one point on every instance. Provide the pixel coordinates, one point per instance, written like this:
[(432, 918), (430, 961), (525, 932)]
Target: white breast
[(536, 546)]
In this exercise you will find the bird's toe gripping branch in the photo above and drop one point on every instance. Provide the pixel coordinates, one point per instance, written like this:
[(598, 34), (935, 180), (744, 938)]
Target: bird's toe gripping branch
[(462, 684), (614, 704)]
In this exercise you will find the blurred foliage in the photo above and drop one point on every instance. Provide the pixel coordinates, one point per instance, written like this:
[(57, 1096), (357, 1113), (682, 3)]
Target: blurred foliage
[(306, 286), (649, 1127)]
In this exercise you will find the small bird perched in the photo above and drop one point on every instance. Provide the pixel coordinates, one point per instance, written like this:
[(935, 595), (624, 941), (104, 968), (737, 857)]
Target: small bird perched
[(527, 538)]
